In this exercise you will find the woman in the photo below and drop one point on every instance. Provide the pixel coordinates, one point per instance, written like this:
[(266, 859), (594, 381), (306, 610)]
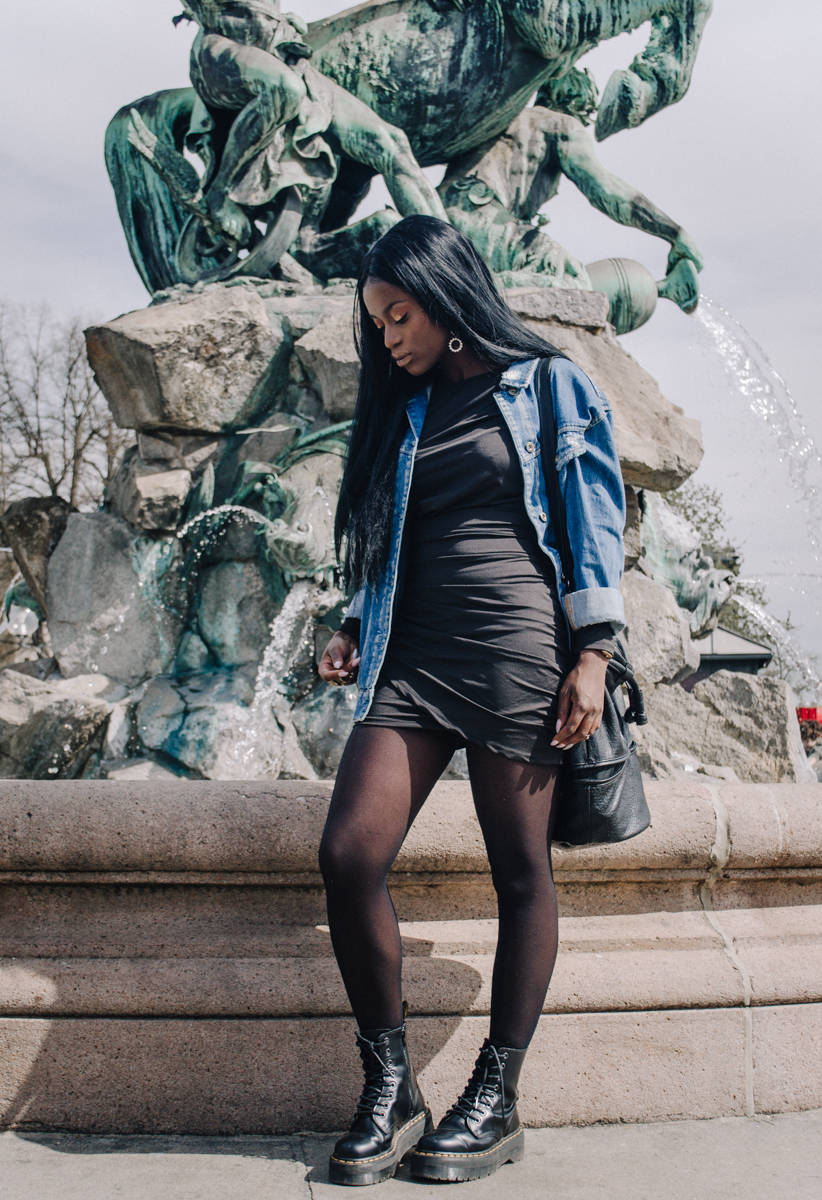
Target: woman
[(462, 633)]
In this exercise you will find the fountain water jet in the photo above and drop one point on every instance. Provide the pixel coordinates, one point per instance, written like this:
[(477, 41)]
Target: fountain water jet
[(790, 649), (769, 397)]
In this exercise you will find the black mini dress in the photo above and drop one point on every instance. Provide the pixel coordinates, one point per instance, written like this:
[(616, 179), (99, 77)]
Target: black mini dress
[(478, 643)]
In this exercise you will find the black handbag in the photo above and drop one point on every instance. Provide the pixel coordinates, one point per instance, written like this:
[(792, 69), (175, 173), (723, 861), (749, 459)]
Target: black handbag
[(601, 798)]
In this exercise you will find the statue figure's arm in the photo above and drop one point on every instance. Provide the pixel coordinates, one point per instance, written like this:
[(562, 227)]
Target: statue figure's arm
[(267, 94), (615, 197), (627, 205)]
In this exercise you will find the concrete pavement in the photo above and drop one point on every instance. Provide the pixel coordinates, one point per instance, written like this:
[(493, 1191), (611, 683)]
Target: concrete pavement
[(736, 1158)]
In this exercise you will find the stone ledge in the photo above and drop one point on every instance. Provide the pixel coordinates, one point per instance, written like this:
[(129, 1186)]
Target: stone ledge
[(272, 1076), (625, 963), (108, 826)]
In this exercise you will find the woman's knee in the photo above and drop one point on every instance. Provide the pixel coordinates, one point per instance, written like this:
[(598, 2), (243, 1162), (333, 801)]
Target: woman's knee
[(517, 887), (350, 861)]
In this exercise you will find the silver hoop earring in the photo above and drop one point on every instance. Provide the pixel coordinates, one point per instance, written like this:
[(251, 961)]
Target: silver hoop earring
[(455, 344)]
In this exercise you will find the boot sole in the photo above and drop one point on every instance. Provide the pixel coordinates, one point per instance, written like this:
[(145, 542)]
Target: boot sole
[(360, 1172), (457, 1168)]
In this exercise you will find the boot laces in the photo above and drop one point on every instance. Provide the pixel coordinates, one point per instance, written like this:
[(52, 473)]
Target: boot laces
[(484, 1087), (380, 1079)]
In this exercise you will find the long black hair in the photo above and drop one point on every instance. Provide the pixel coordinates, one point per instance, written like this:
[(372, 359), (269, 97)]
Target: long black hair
[(439, 267)]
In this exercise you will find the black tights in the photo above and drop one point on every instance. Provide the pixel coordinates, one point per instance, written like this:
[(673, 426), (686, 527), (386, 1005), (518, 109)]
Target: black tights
[(383, 781)]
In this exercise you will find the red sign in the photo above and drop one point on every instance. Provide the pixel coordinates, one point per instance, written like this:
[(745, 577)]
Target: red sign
[(808, 714)]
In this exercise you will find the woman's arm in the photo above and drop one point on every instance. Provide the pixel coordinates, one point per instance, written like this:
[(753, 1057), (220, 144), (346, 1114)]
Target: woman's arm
[(594, 496), (594, 499)]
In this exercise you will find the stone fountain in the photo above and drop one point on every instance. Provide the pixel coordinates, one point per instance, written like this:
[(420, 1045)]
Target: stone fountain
[(168, 743)]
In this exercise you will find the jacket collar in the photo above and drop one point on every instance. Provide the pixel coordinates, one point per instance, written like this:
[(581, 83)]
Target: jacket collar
[(519, 375)]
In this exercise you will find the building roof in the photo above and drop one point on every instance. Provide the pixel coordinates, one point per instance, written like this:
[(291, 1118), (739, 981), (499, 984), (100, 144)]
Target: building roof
[(724, 643)]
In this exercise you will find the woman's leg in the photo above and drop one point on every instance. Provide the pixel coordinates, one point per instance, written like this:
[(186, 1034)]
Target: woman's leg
[(383, 780), (514, 803)]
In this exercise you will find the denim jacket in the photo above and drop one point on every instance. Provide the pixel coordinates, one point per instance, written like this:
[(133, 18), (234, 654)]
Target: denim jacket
[(591, 484)]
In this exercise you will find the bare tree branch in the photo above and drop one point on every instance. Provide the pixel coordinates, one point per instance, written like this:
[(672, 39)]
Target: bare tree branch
[(57, 436)]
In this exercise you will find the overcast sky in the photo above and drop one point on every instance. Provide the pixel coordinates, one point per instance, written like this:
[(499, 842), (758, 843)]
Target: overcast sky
[(736, 162)]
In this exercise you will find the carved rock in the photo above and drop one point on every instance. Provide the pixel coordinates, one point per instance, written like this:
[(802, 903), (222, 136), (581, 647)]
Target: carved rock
[(33, 528), (116, 600), (746, 722), (130, 770), (658, 639), (328, 354), (46, 732), (211, 361), (323, 722), (235, 612), (561, 306), (305, 541), (207, 724), (188, 451), (631, 535), (148, 495), (659, 447)]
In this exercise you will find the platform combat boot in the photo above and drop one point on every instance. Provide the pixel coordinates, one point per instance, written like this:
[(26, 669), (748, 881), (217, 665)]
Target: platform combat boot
[(482, 1130), (391, 1114)]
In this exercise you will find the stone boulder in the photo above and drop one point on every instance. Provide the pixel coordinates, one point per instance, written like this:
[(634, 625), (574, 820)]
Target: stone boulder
[(210, 361), (323, 721), (33, 528), (116, 599), (181, 451), (561, 306), (302, 542), (329, 356), (147, 494), (745, 722), (131, 770), (657, 638), (234, 612), (209, 724), (631, 535), (47, 732), (659, 447)]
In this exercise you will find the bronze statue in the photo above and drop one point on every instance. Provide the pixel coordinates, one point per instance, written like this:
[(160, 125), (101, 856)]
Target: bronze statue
[(495, 193), (292, 121)]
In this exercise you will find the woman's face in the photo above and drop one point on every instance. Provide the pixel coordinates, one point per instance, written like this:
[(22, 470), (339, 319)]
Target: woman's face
[(415, 342)]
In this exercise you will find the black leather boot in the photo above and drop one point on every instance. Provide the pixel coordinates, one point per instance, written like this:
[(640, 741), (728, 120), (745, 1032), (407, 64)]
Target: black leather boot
[(482, 1130), (391, 1114)]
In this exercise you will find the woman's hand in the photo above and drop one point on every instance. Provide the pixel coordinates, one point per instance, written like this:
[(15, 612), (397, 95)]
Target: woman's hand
[(581, 698), (340, 660)]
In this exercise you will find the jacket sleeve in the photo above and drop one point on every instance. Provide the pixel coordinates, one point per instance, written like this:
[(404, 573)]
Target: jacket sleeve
[(591, 481)]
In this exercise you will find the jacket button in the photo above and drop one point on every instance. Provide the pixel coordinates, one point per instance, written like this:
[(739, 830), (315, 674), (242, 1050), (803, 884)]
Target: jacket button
[(530, 447), (543, 516)]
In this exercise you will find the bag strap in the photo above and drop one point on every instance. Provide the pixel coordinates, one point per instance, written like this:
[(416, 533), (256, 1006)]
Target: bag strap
[(548, 447)]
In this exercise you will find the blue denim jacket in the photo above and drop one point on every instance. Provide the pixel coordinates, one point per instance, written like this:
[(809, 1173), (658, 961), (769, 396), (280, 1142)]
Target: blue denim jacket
[(591, 483)]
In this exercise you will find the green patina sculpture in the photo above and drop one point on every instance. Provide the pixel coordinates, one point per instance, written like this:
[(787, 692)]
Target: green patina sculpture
[(292, 122), (672, 555), (495, 193)]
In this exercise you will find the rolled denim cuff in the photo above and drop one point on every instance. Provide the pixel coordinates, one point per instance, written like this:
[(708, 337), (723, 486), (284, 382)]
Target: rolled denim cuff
[(357, 604), (593, 605)]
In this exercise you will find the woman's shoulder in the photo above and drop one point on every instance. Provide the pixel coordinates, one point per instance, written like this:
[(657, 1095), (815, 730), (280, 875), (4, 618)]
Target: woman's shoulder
[(574, 390)]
